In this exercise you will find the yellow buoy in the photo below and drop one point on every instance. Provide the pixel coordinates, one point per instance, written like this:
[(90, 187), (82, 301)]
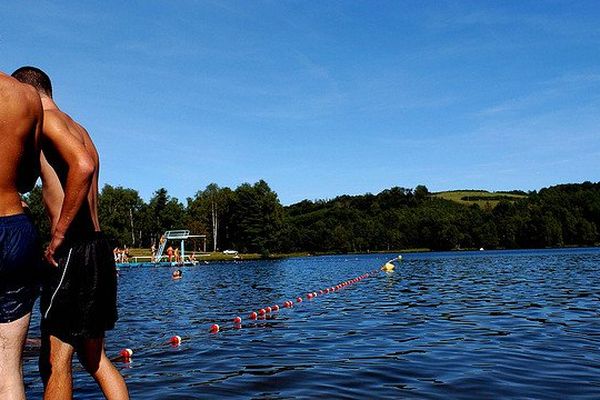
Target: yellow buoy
[(388, 266)]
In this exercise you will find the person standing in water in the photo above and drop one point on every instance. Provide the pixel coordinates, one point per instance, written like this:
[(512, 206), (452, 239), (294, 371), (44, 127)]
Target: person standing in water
[(170, 253), (78, 302), (21, 119), (152, 253)]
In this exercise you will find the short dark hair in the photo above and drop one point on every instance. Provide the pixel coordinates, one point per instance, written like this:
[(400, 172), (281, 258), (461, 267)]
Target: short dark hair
[(34, 77)]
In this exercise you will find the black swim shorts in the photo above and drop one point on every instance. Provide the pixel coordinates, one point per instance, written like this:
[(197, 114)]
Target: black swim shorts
[(79, 297), (19, 267)]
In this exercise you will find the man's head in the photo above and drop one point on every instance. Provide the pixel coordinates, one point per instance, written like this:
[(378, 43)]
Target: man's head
[(36, 78)]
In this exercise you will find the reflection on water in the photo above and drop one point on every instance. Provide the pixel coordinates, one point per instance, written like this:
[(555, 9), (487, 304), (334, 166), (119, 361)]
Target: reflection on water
[(505, 324)]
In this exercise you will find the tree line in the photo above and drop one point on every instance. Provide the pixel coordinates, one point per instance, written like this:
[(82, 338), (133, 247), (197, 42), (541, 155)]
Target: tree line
[(250, 218)]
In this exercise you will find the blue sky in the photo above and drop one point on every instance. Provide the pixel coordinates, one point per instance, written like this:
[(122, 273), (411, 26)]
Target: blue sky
[(323, 98)]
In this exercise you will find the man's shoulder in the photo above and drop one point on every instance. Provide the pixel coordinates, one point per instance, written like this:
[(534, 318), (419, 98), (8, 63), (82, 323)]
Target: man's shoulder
[(22, 97), (54, 118), (9, 85), (55, 115), (56, 121)]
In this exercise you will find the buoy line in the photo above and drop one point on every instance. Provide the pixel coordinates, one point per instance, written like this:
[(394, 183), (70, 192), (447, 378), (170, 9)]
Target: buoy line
[(126, 354)]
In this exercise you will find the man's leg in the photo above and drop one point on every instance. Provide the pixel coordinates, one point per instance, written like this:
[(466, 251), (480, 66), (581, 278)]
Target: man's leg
[(56, 359), (93, 358), (12, 340)]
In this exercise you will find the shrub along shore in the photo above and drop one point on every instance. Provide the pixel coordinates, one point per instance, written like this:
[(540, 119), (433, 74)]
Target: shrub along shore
[(251, 220)]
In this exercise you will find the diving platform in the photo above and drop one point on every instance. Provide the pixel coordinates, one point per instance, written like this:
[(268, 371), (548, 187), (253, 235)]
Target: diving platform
[(182, 235)]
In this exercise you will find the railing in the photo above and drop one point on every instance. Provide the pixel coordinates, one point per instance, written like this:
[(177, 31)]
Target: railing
[(165, 258), (178, 234)]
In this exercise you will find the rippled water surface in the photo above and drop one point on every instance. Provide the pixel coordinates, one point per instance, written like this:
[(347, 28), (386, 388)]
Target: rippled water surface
[(505, 324)]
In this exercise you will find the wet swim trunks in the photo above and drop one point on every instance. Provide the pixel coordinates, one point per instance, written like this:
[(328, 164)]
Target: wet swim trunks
[(19, 267), (79, 297)]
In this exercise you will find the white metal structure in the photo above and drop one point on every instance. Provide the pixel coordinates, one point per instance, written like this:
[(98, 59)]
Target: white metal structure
[(181, 234)]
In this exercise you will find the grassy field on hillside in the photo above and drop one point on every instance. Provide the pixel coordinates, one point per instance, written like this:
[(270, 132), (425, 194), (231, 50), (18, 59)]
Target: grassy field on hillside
[(479, 197)]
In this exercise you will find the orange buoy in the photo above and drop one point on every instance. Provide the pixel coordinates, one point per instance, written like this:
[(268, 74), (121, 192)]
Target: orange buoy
[(126, 354)]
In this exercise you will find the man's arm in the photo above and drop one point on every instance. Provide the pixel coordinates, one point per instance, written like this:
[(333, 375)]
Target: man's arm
[(79, 177), (52, 191)]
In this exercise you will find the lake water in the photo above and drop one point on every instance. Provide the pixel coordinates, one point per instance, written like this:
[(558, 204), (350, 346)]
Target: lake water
[(461, 325)]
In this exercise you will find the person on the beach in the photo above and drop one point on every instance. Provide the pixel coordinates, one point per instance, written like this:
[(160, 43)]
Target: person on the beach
[(20, 126), (125, 254), (152, 253), (177, 255), (78, 303), (170, 253)]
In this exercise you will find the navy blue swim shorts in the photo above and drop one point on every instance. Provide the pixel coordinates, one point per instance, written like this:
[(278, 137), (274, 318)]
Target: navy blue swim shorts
[(20, 259)]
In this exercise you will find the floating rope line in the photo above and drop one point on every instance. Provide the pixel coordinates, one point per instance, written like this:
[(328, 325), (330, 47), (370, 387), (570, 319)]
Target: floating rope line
[(126, 354)]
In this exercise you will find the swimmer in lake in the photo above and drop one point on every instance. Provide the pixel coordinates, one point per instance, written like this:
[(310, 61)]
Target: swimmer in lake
[(176, 274)]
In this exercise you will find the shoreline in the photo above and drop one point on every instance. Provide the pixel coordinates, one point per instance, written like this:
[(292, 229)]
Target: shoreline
[(220, 257)]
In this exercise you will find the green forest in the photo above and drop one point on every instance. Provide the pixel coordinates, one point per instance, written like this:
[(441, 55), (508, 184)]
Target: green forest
[(250, 218)]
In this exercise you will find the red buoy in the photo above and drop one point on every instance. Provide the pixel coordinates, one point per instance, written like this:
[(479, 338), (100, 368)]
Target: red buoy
[(253, 315), (237, 320), (175, 340), (310, 296), (262, 311), (275, 307), (214, 328), (268, 309), (299, 300), (126, 354)]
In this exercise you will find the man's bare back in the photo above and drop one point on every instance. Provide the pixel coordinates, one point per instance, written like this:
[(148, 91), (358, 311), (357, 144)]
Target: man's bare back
[(54, 170), (21, 122), (20, 125)]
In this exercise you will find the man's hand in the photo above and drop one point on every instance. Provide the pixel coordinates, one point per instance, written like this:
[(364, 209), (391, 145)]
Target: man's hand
[(55, 243)]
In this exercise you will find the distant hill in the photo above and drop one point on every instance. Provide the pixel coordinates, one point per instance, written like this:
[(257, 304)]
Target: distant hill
[(479, 197)]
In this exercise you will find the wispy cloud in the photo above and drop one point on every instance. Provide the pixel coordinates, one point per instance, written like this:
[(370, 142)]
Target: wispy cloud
[(550, 22), (555, 91)]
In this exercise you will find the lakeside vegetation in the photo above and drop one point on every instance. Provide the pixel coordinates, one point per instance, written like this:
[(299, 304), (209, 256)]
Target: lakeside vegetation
[(251, 219)]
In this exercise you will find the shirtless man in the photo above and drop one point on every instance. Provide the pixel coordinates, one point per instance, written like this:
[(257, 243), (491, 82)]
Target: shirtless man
[(20, 125), (78, 302), (170, 253)]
